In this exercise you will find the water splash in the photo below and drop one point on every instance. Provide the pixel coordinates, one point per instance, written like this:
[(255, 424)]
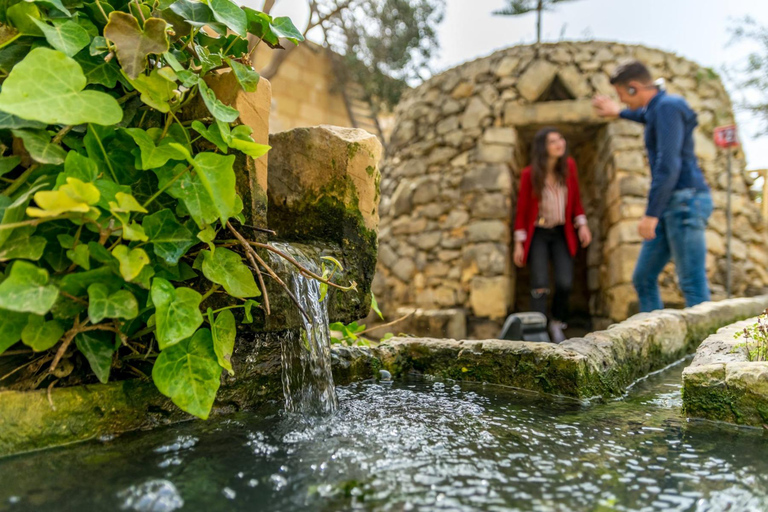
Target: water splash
[(306, 357)]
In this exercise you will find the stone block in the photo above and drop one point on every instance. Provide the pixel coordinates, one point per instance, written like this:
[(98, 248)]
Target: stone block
[(491, 206), (575, 81), (476, 111), (489, 296), (500, 135), (704, 146), (493, 153), (536, 79), (488, 231), (254, 107), (625, 232), (425, 192), (508, 66), (621, 264), (487, 178), (551, 112)]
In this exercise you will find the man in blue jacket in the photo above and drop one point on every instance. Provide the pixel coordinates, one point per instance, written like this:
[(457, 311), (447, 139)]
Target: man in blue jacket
[(679, 202)]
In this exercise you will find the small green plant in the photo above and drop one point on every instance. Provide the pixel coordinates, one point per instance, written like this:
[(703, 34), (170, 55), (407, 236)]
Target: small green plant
[(756, 339)]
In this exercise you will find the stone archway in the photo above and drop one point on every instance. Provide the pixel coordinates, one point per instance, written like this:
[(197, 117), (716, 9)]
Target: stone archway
[(449, 185)]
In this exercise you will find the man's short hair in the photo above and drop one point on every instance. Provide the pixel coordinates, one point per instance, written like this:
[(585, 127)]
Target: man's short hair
[(632, 71)]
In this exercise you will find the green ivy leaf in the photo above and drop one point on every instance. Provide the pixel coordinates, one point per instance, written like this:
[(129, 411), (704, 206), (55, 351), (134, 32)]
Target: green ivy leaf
[(97, 70), (218, 109), (26, 290), (38, 145), (132, 261), (189, 374), (22, 245), (101, 305), (228, 13), (152, 155), (195, 13), (41, 334), (80, 255), (208, 235), (170, 239), (284, 27), (66, 36), (56, 4), (11, 325), (79, 167), (241, 140), (190, 190), (47, 86), (134, 232), (75, 196), (98, 348), (177, 312), (22, 15), (247, 309), (223, 331), (11, 122), (156, 90), (133, 44), (228, 270), (246, 76), (212, 134), (375, 306), (208, 60), (14, 212), (218, 178), (260, 25), (125, 203)]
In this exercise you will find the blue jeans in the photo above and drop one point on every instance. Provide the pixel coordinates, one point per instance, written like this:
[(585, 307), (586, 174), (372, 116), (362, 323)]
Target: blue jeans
[(679, 235)]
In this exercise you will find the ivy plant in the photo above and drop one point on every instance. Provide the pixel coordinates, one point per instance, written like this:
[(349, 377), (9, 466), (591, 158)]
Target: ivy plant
[(113, 199)]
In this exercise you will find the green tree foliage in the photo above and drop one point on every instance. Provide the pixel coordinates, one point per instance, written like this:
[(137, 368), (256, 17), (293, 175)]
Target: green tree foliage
[(519, 7), (752, 79), (108, 206), (382, 44)]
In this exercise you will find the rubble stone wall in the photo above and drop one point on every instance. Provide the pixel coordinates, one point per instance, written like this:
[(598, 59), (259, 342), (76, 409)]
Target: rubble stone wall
[(449, 183)]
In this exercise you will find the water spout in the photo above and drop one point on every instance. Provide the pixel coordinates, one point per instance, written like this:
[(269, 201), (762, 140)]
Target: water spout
[(306, 356)]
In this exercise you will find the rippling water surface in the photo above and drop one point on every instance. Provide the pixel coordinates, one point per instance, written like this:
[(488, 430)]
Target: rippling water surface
[(415, 445)]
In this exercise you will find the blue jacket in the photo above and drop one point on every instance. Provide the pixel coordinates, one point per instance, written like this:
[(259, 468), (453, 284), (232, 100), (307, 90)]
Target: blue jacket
[(669, 124)]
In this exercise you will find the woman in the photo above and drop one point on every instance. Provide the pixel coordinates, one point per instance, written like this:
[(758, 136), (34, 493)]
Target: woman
[(550, 217)]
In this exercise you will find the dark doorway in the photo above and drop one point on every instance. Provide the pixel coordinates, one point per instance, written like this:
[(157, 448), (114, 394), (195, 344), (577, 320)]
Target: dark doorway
[(584, 143)]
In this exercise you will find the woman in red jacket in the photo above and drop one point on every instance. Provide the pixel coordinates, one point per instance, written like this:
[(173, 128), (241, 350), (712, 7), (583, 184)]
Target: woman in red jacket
[(550, 217)]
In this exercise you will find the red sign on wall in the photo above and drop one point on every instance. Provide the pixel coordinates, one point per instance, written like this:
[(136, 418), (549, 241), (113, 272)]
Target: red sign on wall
[(726, 136)]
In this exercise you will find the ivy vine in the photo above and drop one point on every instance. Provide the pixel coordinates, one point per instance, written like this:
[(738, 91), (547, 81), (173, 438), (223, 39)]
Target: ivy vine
[(110, 191)]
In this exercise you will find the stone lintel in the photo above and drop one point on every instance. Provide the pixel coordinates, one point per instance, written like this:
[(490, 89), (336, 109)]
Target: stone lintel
[(552, 113)]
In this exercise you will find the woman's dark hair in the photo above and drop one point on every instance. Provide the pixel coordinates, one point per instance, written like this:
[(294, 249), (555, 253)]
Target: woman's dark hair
[(539, 158)]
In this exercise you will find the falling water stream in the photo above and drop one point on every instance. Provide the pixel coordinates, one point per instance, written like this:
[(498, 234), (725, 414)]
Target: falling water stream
[(306, 355)]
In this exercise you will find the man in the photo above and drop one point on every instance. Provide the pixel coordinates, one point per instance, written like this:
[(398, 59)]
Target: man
[(679, 202)]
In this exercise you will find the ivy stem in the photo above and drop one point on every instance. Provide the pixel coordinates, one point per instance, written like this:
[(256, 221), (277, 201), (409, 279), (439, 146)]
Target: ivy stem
[(126, 97), (106, 18), (250, 254), (210, 292), (186, 135), (18, 182), (138, 8), (301, 268), (165, 187), (104, 151), (9, 41), (35, 222)]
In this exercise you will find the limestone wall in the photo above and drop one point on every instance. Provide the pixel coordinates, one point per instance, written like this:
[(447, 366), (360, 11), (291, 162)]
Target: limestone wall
[(302, 90), (450, 181)]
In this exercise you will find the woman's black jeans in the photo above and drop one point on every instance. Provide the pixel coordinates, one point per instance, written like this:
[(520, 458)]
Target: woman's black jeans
[(550, 245)]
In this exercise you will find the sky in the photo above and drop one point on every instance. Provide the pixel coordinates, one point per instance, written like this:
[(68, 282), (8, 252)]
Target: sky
[(695, 29)]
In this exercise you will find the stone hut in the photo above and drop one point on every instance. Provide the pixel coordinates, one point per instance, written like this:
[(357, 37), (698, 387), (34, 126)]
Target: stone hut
[(450, 182)]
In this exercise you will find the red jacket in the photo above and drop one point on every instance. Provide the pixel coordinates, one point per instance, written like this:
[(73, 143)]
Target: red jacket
[(528, 209)]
